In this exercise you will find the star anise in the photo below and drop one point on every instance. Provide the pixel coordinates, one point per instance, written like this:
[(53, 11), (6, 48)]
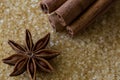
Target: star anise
[(31, 57)]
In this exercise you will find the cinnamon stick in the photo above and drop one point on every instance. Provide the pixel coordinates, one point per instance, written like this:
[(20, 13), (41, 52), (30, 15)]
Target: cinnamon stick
[(49, 6), (71, 9), (54, 21), (89, 16)]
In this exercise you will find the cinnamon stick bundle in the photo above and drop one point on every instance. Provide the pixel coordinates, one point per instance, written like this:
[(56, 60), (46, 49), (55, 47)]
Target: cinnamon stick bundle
[(49, 6), (89, 16), (54, 21), (71, 9)]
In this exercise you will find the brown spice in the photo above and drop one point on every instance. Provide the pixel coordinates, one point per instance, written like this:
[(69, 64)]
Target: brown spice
[(31, 57), (89, 16), (49, 6), (71, 9), (55, 23)]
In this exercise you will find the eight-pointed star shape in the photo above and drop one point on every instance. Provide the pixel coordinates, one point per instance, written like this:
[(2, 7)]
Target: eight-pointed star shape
[(31, 57)]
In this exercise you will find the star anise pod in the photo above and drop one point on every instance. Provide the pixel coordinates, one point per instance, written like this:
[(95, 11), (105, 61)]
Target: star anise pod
[(31, 57)]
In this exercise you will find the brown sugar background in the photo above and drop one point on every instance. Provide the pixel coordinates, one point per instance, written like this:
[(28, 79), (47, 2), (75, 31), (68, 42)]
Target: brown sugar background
[(94, 54)]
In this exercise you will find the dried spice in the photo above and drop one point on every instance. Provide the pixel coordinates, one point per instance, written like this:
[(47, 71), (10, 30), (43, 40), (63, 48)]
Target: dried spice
[(71, 9), (48, 6), (55, 22), (76, 15), (31, 57), (95, 10)]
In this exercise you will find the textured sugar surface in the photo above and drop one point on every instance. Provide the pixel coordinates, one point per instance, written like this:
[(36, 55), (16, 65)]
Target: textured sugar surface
[(94, 54)]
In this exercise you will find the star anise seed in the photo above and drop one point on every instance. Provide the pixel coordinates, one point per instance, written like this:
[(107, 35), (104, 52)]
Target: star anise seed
[(31, 57)]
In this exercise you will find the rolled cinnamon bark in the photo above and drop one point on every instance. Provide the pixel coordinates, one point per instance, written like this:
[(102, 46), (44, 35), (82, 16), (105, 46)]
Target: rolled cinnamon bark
[(71, 9), (49, 6), (54, 21), (89, 16)]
